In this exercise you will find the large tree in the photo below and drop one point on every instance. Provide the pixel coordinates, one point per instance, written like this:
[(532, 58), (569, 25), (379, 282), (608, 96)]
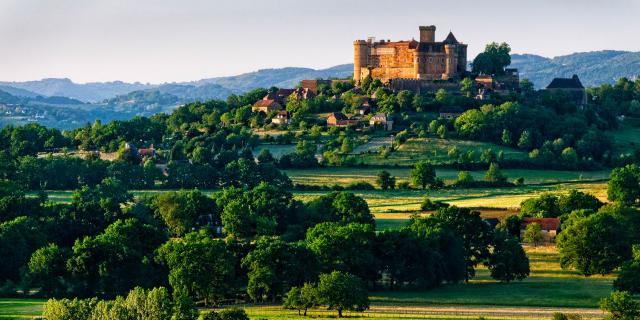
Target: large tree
[(596, 244), (199, 266), (507, 261), (423, 174), (624, 184), (495, 58), (475, 234), (275, 266), (344, 247), (342, 291)]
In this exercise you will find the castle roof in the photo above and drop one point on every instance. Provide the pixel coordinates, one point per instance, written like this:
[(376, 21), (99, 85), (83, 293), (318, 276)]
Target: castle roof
[(451, 39), (566, 83), (430, 46)]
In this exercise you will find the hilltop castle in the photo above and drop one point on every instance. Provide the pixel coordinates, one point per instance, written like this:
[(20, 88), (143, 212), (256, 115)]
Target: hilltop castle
[(422, 60)]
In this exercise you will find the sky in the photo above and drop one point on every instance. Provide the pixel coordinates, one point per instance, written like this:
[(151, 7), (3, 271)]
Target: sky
[(182, 40)]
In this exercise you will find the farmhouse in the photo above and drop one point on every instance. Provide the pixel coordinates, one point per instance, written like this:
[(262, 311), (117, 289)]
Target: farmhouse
[(383, 120), (282, 118), (571, 87), (338, 119), (450, 112), (550, 227), (266, 105)]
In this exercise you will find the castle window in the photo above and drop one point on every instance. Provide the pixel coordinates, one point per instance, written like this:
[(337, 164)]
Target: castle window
[(430, 60)]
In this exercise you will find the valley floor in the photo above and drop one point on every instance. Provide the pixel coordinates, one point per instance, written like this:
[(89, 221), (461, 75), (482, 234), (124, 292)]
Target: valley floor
[(549, 289)]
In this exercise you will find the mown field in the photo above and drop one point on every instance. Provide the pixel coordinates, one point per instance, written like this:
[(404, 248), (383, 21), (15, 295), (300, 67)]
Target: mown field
[(433, 149), (548, 287)]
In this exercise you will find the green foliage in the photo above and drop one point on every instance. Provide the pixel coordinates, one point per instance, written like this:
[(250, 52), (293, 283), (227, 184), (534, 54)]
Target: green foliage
[(118, 259), (494, 174), (66, 309), (342, 291), (493, 60), (301, 298), (629, 275), (344, 247), (423, 174), (385, 180), (275, 266), (233, 314), (181, 209), (621, 306), (624, 184), (507, 261), (199, 266), (47, 269), (476, 235), (596, 244), (532, 234)]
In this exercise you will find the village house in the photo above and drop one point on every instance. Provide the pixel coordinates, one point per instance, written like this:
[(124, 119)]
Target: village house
[(282, 118), (570, 86), (266, 105), (550, 227), (338, 119), (382, 120), (450, 112)]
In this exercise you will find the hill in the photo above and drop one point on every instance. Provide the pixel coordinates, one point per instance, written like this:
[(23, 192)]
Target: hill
[(283, 77), (594, 68), (87, 92)]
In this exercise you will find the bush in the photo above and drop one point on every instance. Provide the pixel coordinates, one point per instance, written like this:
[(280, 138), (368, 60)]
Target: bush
[(428, 205), (359, 186), (233, 314), (404, 185)]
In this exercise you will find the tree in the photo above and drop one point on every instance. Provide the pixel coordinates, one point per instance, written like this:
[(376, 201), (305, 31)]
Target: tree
[(347, 248), (466, 86), (342, 291), (475, 234), (233, 314), (275, 266), (525, 141), (301, 298), (624, 184), (596, 244), (629, 275), (493, 60), (181, 209), (544, 206), (199, 266), (494, 174), (621, 306), (533, 234), (385, 180), (118, 259), (506, 137), (423, 174), (507, 261), (47, 269), (65, 309)]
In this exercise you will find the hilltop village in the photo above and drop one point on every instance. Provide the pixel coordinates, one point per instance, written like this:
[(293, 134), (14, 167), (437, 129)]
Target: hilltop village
[(423, 66)]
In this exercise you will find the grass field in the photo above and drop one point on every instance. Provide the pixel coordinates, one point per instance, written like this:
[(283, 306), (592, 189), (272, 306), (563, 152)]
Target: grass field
[(20, 308), (548, 287), (434, 149), (344, 175)]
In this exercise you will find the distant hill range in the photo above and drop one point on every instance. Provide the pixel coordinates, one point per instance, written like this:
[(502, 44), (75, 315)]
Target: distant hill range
[(593, 68), (64, 104)]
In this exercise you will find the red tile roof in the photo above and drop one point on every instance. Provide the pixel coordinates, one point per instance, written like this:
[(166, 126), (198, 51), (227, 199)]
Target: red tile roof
[(545, 223)]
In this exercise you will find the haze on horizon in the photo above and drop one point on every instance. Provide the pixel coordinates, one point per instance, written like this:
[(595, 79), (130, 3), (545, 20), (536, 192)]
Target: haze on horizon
[(172, 41)]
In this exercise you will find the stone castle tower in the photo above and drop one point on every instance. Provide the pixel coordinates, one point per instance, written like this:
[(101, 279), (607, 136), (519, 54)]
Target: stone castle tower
[(422, 60)]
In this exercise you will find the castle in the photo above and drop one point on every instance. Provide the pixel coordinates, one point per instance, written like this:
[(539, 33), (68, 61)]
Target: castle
[(421, 60)]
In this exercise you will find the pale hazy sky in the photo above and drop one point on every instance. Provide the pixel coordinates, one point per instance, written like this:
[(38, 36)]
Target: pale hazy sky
[(181, 40)]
